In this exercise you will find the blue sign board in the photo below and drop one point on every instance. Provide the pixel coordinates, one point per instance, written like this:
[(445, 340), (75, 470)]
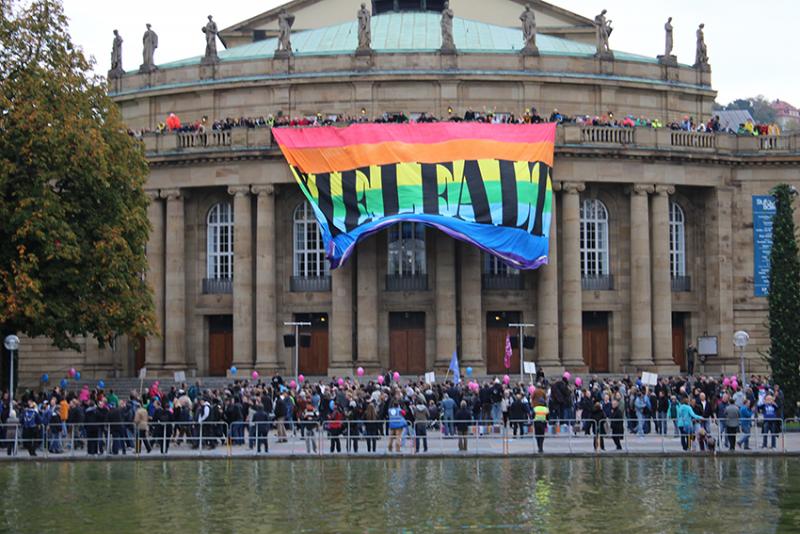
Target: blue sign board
[(763, 212)]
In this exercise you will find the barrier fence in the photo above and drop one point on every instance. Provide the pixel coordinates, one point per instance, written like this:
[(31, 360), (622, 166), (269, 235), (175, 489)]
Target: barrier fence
[(560, 436)]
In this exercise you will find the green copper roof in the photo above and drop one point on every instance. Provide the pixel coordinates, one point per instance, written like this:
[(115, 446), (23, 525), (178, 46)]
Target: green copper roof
[(410, 32)]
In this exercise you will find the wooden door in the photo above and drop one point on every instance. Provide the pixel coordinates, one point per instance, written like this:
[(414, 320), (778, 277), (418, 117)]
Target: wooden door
[(496, 330), (314, 357), (220, 344), (407, 342), (595, 341), (679, 340), (139, 355)]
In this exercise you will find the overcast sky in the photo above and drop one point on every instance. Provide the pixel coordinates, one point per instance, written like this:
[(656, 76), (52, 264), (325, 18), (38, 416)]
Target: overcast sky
[(752, 45)]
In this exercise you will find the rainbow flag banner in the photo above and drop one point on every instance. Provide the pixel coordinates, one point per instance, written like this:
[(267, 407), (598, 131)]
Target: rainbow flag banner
[(486, 184)]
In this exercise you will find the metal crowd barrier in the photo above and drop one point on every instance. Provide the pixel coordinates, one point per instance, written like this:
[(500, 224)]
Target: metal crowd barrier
[(476, 436)]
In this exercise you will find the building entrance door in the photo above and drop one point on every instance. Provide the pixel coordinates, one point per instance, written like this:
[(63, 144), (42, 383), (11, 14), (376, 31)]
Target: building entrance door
[(595, 341), (496, 331), (407, 342), (139, 355), (313, 344), (220, 344), (679, 339)]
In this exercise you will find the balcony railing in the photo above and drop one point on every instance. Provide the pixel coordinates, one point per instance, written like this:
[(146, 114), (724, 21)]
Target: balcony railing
[(606, 136), (597, 282), (310, 283), (217, 286), (214, 138), (681, 284), (502, 281), (406, 282), (693, 139)]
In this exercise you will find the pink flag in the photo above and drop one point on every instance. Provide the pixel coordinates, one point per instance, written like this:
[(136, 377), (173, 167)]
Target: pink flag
[(507, 357)]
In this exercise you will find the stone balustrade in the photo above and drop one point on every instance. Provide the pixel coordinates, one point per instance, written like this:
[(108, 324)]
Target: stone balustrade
[(567, 136)]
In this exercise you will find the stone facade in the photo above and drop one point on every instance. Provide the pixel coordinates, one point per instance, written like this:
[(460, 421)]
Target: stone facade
[(636, 174)]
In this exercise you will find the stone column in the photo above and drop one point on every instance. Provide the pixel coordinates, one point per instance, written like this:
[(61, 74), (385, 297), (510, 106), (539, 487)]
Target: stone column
[(175, 283), (641, 316), (341, 361), (445, 295), (242, 277), (368, 310), (266, 298), (154, 345), (471, 307), (547, 302), (572, 293), (662, 287), (719, 272)]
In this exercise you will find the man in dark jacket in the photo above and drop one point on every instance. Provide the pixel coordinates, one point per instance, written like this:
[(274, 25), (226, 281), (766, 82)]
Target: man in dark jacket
[(261, 424), (617, 424)]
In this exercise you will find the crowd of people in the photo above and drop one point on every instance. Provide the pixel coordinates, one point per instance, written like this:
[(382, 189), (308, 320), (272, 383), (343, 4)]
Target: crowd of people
[(172, 123), (349, 411)]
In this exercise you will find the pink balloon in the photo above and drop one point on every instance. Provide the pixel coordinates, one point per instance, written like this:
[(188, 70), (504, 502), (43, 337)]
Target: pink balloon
[(71, 372), (292, 384), (360, 371), (301, 378), (531, 390), (567, 375), (726, 382), (735, 385), (396, 376), (254, 375), (734, 377), (340, 382), (506, 379), (380, 379), (578, 381)]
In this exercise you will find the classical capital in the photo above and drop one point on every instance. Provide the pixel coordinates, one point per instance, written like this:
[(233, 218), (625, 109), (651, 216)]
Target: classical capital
[(267, 190), (573, 187), (640, 189), (171, 194), (664, 189), (556, 186), (239, 190), (152, 194)]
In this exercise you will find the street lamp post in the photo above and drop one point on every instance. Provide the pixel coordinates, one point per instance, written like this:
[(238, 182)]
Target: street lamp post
[(740, 339), (521, 327), (297, 325), (12, 345)]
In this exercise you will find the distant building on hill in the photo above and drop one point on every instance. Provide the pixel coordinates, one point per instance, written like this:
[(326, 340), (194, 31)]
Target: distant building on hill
[(786, 115)]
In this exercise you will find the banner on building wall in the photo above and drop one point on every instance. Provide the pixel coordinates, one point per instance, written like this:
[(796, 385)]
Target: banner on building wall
[(486, 184), (763, 213)]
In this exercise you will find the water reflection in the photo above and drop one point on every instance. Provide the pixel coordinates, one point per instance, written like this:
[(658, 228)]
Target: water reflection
[(404, 495)]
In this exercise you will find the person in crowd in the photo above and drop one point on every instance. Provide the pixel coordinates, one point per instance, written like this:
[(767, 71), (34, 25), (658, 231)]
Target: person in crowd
[(463, 422), (397, 423), (30, 425), (421, 415), (731, 425), (746, 424), (771, 420), (335, 426), (598, 425), (540, 414), (617, 424), (140, 421), (372, 426), (685, 419), (261, 424)]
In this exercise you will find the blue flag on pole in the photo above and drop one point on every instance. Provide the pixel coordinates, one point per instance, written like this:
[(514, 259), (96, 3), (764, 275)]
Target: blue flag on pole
[(454, 367)]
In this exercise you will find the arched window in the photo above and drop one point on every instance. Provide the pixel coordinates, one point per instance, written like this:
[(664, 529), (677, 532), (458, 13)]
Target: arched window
[(309, 252), (219, 242), (677, 241), (407, 249), (594, 239)]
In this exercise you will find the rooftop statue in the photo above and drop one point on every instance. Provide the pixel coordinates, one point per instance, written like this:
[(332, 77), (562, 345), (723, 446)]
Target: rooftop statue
[(528, 19), (448, 44), (668, 58), (285, 22), (701, 57), (210, 30), (604, 29), (116, 57), (364, 29), (149, 45)]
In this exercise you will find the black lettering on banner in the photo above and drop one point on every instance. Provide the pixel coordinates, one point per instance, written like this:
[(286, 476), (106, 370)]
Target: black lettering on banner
[(430, 189), (544, 175), (362, 201), (391, 200), (326, 202), (508, 190), (445, 194), (526, 224), (477, 192), (349, 200)]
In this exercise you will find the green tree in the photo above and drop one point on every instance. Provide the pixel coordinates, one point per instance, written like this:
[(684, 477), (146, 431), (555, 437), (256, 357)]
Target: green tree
[(784, 299), (758, 106), (73, 214)]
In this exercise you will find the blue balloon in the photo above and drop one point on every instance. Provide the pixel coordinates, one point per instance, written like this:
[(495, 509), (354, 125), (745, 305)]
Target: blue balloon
[(45, 378), (233, 370), (469, 371), (63, 382), (77, 375), (101, 384), (332, 405)]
